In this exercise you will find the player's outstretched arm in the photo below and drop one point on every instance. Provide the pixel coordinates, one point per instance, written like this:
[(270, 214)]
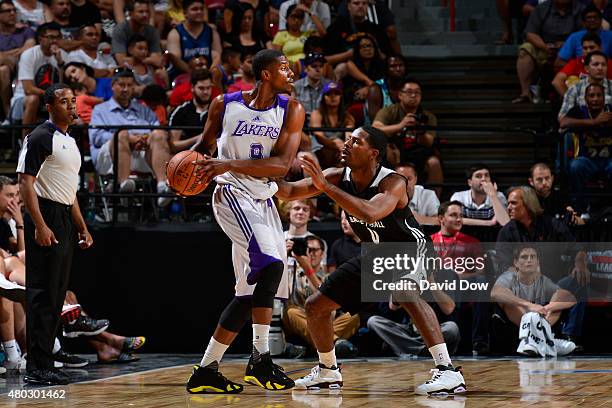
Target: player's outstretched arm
[(392, 189), (304, 188), (208, 142)]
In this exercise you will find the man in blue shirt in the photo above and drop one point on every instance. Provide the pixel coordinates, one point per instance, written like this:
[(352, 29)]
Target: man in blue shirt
[(572, 48), (143, 150)]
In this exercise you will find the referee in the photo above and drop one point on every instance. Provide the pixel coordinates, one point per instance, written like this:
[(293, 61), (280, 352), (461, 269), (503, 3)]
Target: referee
[(48, 170)]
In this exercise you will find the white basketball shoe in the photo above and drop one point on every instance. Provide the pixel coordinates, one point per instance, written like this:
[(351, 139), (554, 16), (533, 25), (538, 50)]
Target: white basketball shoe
[(320, 377), (564, 347), (444, 380)]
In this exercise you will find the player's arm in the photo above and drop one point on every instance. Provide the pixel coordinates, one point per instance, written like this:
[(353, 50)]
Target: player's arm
[(304, 188), (281, 157), (374, 209), (208, 142)]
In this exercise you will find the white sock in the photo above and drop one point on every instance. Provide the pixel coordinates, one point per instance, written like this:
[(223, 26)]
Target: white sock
[(161, 185), (11, 350), (328, 359), (56, 346), (214, 352), (260, 338), (439, 352)]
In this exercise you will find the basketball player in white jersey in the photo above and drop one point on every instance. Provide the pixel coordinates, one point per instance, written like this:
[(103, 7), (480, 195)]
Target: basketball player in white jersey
[(376, 203), (256, 135)]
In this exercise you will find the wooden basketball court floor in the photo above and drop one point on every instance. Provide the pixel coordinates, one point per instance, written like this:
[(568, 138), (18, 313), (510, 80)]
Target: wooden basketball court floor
[(502, 382)]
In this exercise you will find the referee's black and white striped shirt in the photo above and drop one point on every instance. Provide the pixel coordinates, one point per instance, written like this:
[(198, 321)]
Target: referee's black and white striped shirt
[(54, 159)]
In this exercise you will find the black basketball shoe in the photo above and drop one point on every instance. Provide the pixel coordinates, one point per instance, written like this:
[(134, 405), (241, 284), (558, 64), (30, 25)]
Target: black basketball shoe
[(208, 380), (266, 374)]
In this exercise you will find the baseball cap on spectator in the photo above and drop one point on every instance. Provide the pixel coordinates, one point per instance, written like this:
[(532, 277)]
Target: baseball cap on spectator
[(330, 87), (314, 57)]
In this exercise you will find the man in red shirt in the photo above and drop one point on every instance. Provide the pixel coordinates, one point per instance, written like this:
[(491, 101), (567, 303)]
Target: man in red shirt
[(574, 70), (450, 242)]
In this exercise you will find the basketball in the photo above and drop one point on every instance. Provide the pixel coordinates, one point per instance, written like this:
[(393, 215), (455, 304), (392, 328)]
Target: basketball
[(181, 173)]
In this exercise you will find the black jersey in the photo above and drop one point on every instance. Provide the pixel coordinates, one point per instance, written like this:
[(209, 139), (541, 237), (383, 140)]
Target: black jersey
[(399, 226)]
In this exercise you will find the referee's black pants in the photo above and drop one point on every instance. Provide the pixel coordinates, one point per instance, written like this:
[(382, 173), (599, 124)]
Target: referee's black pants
[(47, 275)]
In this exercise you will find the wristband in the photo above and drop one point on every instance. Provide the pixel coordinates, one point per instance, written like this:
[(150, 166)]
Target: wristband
[(309, 272), (18, 226)]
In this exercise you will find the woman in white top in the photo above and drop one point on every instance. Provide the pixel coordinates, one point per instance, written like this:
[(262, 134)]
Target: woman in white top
[(32, 12)]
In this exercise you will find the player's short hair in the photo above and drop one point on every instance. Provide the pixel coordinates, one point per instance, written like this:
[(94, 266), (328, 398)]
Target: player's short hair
[(537, 166), (469, 172), (443, 208), (6, 181), (594, 37), (377, 139), (590, 55), (263, 60), (50, 96), (200, 75)]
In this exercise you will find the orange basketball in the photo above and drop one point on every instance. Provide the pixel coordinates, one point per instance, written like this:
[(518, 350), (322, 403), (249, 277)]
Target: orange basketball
[(181, 173)]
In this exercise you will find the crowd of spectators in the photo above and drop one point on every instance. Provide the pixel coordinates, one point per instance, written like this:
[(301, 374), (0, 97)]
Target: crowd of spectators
[(149, 63)]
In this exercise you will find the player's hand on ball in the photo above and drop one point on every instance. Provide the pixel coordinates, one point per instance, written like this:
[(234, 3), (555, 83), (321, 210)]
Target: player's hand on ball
[(313, 170), (209, 168)]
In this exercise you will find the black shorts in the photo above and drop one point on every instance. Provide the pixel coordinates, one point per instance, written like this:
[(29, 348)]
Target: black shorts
[(343, 286)]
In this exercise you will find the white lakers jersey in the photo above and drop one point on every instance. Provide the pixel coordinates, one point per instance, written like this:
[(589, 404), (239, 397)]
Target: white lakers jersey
[(249, 133)]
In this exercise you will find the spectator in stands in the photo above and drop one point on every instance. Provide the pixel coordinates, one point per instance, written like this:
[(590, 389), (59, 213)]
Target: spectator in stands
[(591, 135), (32, 13), (529, 224), (299, 213), (345, 247), (482, 204), (145, 73), (181, 86), (246, 82), (547, 28), (572, 48), (574, 70), (13, 42), (423, 202), (378, 13), (61, 11), (312, 46), (193, 37), (415, 146), (366, 67), (85, 102), (291, 41), (138, 23), (309, 90), (234, 7), (605, 6), (175, 14), (76, 72), (11, 217), (38, 69), (85, 13), (404, 339), (542, 180), (305, 280), (144, 150), (596, 65), (88, 54), (343, 32), (108, 18), (223, 74), (385, 91), (244, 35), (331, 113), (529, 290), (317, 15), (155, 98), (451, 243), (192, 113)]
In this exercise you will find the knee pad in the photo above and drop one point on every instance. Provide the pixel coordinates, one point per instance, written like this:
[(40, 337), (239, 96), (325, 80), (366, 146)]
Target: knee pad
[(267, 285), (235, 315)]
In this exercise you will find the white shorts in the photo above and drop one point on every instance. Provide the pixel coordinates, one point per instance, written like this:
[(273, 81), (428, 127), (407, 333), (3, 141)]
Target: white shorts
[(255, 229), (104, 163)]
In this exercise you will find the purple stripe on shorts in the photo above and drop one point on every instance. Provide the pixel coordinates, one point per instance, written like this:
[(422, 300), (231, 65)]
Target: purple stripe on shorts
[(233, 198), (258, 261), (244, 231)]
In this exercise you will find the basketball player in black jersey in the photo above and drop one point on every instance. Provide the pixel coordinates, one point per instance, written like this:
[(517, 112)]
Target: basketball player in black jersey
[(376, 202)]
